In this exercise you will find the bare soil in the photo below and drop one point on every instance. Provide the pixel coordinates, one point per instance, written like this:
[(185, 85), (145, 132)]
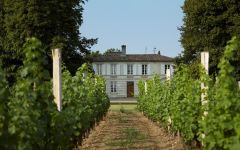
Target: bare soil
[(129, 131)]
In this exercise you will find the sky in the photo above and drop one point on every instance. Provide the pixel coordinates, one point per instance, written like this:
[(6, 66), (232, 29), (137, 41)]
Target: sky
[(141, 25)]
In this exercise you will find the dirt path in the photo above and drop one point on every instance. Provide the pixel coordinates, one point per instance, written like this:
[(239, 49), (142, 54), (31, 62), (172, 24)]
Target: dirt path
[(129, 130)]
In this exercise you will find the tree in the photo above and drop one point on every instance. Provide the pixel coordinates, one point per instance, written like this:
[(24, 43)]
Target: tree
[(208, 25), (1, 24), (111, 50), (1, 27), (93, 54), (56, 23)]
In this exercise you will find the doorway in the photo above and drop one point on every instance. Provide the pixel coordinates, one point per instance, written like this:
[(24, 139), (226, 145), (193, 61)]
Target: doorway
[(130, 89)]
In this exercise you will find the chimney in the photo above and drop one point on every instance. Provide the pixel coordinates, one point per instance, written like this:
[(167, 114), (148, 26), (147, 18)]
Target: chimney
[(124, 49), (159, 53)]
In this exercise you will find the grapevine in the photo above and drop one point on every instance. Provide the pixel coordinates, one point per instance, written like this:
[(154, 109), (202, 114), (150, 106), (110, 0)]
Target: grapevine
[(29, 117), (177, 104)]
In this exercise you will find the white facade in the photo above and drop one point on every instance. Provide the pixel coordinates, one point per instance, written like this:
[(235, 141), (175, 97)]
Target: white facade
[(121, 75)]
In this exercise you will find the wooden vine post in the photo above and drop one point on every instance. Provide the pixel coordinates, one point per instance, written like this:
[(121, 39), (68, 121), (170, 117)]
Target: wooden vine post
[(145, 86), (204, 62), (57, 78), (168, 74), (204, 101), (168, 77)]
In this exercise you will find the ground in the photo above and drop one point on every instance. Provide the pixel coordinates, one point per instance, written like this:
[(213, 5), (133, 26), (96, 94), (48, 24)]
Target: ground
[(125, 128)]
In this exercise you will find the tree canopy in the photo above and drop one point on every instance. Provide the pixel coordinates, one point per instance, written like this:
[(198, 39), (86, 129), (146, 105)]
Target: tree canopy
[(55, 22), (111, 50), (208, 25)]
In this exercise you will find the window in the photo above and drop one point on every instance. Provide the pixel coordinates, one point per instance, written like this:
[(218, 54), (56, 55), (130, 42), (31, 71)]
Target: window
[(130, 69), (121, 69), (113, 86), (113, 69), (99, 69), (166, 67), (144, 69)]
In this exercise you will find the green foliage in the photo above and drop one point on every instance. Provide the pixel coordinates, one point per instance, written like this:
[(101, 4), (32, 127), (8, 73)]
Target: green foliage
[(2, 95), (84, 103), (220, 126), (55, 23), (1, 25), (207, 26), (4, 98), (33, 121), (112, 50), (31, 101), (177, 103)]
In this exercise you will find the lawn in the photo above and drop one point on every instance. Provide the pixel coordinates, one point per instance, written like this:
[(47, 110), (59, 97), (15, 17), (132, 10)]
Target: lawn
[(122, 107)]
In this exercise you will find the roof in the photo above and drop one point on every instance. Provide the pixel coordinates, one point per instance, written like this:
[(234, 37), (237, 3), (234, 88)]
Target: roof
[(132, 58)]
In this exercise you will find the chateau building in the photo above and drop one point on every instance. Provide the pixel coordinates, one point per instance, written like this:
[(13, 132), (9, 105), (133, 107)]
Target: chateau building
[(123, 71)]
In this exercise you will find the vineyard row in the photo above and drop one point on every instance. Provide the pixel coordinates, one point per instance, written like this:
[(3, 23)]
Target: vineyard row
[(177, 104), (29, 118)]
